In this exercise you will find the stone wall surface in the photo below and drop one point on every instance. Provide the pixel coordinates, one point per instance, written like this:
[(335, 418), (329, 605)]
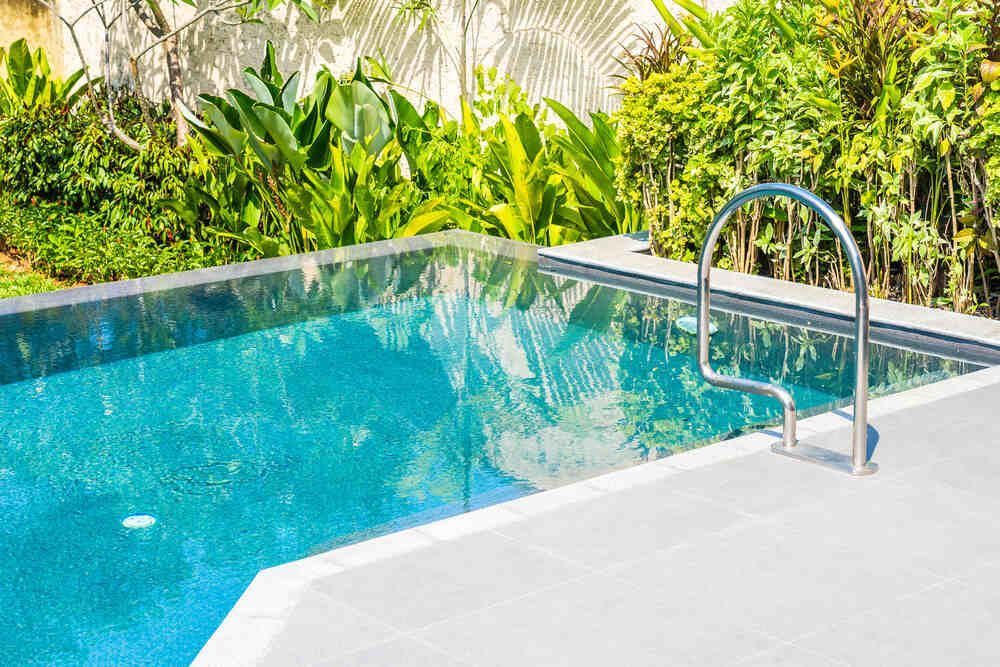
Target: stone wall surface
[(563, 49), (32, 21)]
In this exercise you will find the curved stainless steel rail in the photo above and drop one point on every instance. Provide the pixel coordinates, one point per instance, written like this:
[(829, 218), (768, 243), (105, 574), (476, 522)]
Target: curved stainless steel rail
[(857, 463)]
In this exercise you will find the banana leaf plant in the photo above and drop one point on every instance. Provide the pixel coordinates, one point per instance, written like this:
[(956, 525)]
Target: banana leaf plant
[(589, 170), (535, 205), (697, 22), (315, 172), (26, 80)]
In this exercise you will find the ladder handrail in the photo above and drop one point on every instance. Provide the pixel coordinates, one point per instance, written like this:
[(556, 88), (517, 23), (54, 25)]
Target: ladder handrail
[(859, 464)]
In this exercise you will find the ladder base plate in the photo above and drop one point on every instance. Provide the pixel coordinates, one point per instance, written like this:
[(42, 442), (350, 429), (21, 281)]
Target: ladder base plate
[(824, 457)]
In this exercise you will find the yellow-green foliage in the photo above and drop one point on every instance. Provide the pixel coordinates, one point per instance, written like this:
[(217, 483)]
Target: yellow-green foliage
[(886, 108), (654, 132)]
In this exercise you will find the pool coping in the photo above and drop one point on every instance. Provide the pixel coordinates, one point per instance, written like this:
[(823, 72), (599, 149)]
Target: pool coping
[(136, 286), (260, 614), (627, 256)]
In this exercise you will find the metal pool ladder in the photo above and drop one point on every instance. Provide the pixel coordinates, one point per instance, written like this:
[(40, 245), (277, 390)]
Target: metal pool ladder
[(857, 463)]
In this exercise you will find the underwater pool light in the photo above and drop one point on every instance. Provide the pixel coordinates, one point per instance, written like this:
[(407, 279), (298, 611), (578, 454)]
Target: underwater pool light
[(133, 521)]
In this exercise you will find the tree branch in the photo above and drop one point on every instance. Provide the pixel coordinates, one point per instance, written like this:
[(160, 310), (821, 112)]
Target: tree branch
[(108, 120), (164, 36), (115, 130)]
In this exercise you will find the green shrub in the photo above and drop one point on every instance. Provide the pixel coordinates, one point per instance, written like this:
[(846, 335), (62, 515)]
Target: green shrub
[(35, 146), (52, 152), (19, 283), (655, 126), (882, 107), (83, 248), (128, 187)]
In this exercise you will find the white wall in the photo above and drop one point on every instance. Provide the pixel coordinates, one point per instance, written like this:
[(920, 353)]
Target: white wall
[(554, 48)]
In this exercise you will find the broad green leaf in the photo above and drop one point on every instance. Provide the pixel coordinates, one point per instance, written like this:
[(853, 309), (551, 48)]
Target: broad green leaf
[(20, 68), (264, 91), (269, 68), (423, 222), (531, 138), (319, 154), (248, 117), (946, 96), (676, 28), (289, 93), (281, 134)]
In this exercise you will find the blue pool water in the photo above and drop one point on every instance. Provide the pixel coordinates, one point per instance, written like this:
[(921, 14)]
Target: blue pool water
[(264, 419)]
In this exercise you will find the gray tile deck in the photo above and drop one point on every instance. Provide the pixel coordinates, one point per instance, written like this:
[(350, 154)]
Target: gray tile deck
[(727, 555)]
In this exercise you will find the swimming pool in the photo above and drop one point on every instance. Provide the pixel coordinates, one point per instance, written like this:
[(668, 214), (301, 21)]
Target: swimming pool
[(318, 401)]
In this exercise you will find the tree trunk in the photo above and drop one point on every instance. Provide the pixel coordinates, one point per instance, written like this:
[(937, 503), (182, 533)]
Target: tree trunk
[(463, 56), (156, 22), (176, 82)]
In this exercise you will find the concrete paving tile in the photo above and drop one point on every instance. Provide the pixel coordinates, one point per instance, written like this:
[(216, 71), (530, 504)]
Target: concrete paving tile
[(624, 525), (634, 476), (447, 579), (781, 582), (540, 503), (379, 548), (946, 625), (478, 521), (706, 456), (912, 438), (595, 620), (974, 470), (930, 526), (396, 653), (320, 628), (763, 483), (240, 640), (788, 655)]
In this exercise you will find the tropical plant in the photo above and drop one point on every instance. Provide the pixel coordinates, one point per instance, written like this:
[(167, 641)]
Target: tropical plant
[(653, 51), (696, 23), (283, 174), (869, 53), (886, 107), (589, 156), (354, 161), (26, 81), (163, 33)]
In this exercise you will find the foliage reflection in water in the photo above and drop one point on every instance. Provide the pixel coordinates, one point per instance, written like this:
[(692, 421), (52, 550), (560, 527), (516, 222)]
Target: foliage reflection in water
[(264, 419)]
